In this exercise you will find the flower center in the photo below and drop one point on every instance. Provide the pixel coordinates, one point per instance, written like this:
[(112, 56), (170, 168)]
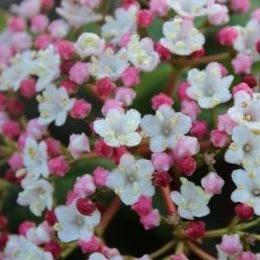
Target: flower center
[(247, 148), (248, 117), (256, 192)]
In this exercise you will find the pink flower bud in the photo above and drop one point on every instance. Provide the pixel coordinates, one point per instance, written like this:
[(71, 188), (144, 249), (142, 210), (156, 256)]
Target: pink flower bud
[(79, 144), (226, 124), (186, 145), (159, 7), (161, 179), (105, 86), (34, 129), (247, 255), (15, 161), (58, 29), (54, 248), (11, 129), (47, 4), (111, 104), (144, 18), (143, 206), (79, 73), (182, 91), (15, 107), (130, 77), (231, 244), (161, 161), (21, 41), (39, 23), (244, 211), (42, 41), (242, 87), (240, 6), (218, 14), (27, 88), (242, 63), (16, 24), (80, 109), (25, 226), (3, 101), (102, 149), (58, 166), (190, 108), (161, 99), (70, 86), (65, 49), (195, 230), (219, 138), (85, 206), (187, 165), (100, 176), (150, 220), (90, 246), (199, 129), (84, 186), (212, 183), (53, 147), (250, 80), (227, 35), (125, 96), (163, 52)]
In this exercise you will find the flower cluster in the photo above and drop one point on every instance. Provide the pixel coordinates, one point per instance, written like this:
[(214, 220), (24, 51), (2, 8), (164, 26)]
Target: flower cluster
[(72, 93)]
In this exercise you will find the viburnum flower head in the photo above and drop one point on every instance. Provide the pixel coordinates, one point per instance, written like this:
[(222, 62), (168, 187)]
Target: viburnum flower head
[(248, 188), (208, 87), (246, 110), (89, 44), (37, 195), (19, 248), (181, 37), (124, 22), (119, 128), (165, 128), (54, 105), (35, 160), (132, 179), (192, 201), (72, 225), (109, 64), (142, 54), (245, 148)]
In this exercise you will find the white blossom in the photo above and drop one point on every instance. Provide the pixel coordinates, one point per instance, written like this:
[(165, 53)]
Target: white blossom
[(109, 64), (165, 128), (246, 110), (181, 37), (247, 39), (192, 201), (119, 128), (208, 87), (77, 14), (245, 148), (89, 44), (73, 226), (142, 54), (35, 160), (20, 248), (19, 69), (248, 188), (40, 234), (54, 105), (123, 22), (37, 195), (46, 67), (132, 179), (189, 8)]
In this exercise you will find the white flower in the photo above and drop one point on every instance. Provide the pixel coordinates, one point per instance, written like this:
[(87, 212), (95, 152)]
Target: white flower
[(46, 67), (165, 128), (246, 110), (54, 105), (208, 87), (73, 226), (19, 69), (248, 188), (89, 44), (247, 39), (141, 53), (77, 14), (189, 8), (37, 195), (20, 248), (119, 128), (109, 64), (123, 23), (132, 179), (181, 37), (245, 148), (41, 234), (35, 160), (192, 201), (79, 144)]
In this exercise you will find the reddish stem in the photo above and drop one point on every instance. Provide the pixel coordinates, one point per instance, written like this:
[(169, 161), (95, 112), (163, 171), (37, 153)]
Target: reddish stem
[(166, 193)]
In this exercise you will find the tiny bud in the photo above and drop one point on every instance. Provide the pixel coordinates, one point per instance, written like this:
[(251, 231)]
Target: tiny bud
[(163, 52), (161, 179), (85, 206), (54, 248), (250, 80), (104, 87), (195, 229), (187, 165), (244, 211), (161, 99), (50, 217), (144, 18)]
